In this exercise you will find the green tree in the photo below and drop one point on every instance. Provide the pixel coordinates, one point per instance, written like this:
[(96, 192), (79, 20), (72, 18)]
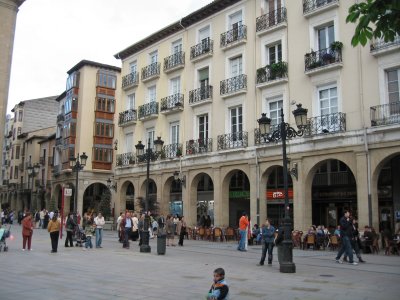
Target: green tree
[(105, 204), (383, 15)]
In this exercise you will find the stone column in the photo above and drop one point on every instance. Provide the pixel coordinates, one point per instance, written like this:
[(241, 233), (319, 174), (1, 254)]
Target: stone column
[(220, 218), (361, 177), (254, 183)]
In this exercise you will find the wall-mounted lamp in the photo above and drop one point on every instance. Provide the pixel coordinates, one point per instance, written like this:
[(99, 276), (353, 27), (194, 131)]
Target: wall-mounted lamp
[(116, 144), (293, 171), (110, 185), (180, 178)]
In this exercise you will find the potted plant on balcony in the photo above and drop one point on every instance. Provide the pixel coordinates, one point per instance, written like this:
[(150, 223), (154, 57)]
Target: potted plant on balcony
[(328, 58), (261, 74), (277, 70), (336, 46), (131, 160), (179, 152), (119, 161)]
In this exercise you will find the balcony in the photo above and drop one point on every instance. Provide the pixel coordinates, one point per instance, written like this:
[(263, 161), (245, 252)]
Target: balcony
[(331, 123), (56, 170), (42, 160), (201, 96), (148, 111), (232, 140), (202, 50), (234, 37), (5, 182), (125, 159), (272, 74), (380, 47), (312, 7), (60, 118), (274, 20), (172, 104), (323, 60), (385, 114), (129, 81), (151, 72), (59, 142), (233, 86), (127, 117), (174, 62), (171, 151), (198, 146)]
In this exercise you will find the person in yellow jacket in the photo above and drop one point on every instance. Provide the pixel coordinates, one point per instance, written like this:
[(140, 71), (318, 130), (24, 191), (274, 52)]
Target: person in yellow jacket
[(54, 229)]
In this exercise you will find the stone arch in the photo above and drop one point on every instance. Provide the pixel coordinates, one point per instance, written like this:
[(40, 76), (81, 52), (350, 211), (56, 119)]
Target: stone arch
[(152, 191), (171, 191), (201, 198), (127, 196), (92, 196)]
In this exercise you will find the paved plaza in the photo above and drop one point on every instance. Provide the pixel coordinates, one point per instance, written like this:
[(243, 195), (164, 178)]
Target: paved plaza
[(184, 272)]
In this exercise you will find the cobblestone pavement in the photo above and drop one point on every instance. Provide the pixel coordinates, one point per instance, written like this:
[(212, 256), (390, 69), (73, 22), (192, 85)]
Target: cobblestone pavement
[(184, 272)]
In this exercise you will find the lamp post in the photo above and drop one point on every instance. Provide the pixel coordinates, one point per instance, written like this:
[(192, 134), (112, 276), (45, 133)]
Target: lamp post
[(32, 172), (148, 156), (76, 166), (283, 133)]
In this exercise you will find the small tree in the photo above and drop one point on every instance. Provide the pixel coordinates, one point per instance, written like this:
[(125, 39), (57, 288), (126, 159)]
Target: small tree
[(105, 204), (52, 203), (153, 204)]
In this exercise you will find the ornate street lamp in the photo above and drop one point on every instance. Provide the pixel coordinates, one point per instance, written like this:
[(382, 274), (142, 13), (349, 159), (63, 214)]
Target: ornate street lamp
[(283, 133), (76, 166), (148, 156)]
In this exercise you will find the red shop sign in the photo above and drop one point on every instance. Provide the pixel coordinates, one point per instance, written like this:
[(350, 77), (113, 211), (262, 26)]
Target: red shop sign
[(277, 194)]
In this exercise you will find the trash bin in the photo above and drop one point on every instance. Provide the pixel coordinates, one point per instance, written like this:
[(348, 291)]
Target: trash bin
[(161, 243)]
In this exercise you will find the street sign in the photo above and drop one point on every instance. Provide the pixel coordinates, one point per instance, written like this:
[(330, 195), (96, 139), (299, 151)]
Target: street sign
[(68, 192)]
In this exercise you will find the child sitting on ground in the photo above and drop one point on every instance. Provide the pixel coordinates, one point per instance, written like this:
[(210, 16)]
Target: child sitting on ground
[(219, 289)]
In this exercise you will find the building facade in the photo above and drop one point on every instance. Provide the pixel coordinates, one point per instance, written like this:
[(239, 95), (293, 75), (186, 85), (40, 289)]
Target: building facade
[(85, 124), (8, 19), (200, 85)]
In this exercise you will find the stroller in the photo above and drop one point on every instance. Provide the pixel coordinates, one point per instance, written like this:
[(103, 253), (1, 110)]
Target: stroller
[(4, 233), (80, 236)]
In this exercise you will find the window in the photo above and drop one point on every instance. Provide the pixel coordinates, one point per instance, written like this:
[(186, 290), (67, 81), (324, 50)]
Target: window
[(102, 154), (204, 35), (203, 127), (236, 66), (105, 105), (151, 94), (176, 47), (72, 80), (69, 130), (129, 142), (326, 36), (17, 151), (71, 104), (271, 5), (174, 132), (20, 116), (19, 131), (153, 56), (133, 68), (15, 172), (274, 106), (175, 85), (150, 135), (107, 80), (393, 86), (328, 100), (11, 173), (236, 121), (204, 77), (104, 130), (235, 20), (130, 101), (274, 53), (14, 131)]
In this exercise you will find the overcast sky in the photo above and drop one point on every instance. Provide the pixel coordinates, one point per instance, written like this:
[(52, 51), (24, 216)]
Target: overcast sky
[(53, 35)]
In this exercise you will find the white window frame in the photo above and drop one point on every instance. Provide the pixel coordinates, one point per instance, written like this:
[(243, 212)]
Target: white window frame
[(206, 124), (240, 68), (152, 55), (150, 98), (172, 81), (174, 126), (130, 101), (270, 100), (268, 46), (128, 140), (387, 82), (327, 87), (204, 28), (177, 43), (133, 65), (326, 26), (150, 133)]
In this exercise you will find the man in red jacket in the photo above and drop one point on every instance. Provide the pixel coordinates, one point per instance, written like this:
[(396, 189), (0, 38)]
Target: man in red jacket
[(243, 223)]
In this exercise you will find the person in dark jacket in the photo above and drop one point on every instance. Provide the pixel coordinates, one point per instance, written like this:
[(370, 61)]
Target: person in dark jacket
[(355, 242), (70, 226), (268, 236), (346, 233)]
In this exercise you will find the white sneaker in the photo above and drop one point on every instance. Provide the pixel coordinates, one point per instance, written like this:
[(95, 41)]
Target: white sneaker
[(354, 263), (339, 261), (23, 249)]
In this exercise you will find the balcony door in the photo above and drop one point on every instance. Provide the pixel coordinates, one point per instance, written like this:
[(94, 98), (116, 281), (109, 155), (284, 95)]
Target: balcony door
[(176, 47), (129, 142), (150, 135), (274, 106), (328, 103), (326, 36), (130, 101), (274, 53), (151, 94), (235, 22), (202, 125), (153, 57), (236, 66), (174, 137), (236, 120), (175, 86), (133, 68), (393, 94), (204, 38), (204, 79)]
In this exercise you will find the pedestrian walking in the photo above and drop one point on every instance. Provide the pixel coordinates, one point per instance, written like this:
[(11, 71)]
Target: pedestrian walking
[(169, 224), (126, 224), (243, 223), (181, 229), (89, 231), (99, 222), (70, 226), (119, 220), (219, 289), (355, 243), (27, 231), (54, 229), (346, 233), (268, 236)]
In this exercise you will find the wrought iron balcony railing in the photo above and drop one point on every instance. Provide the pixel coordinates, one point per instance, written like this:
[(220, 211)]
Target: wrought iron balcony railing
[(311, 5), (331, 123), (174, 60), (233, 84), (60, 118), (381, 44), (232, 140), (205, 47), (198, 146), (151, 70), (258, 138), (272, 72), (59, 141), (125, 159), (127, 117), (172, 102), (234, 35), (148, 109), (129, 80), (271, 19), (202, 94), (321, 58), (385, 114), (171, 151), (42, 160)]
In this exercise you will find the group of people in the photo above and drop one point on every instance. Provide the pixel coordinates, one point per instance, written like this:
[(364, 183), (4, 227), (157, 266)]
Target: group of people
[(7, 216)]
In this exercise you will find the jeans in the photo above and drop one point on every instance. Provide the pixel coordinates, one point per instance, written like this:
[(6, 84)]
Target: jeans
[(267, 247), (54, 240), (346, 247), (69, 239), (99, 237), (128, 231), (88, 242), (242, 242)]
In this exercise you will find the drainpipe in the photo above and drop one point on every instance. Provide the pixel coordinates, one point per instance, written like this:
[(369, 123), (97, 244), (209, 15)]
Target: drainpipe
[(257, 186)]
